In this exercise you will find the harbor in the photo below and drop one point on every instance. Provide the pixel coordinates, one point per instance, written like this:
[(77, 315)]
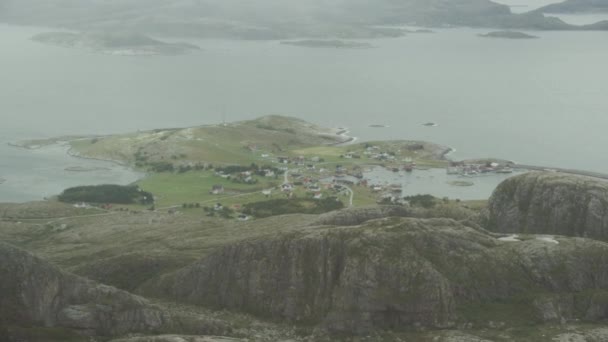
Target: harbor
[(434, 181)]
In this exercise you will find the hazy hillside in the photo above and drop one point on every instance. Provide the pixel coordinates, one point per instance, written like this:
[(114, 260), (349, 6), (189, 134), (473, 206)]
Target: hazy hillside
[(576, 6), (265, 19)]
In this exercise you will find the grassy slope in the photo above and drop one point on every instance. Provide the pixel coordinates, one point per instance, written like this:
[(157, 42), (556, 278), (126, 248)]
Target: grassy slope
[(223, 144), (143, 239), (193, 187)]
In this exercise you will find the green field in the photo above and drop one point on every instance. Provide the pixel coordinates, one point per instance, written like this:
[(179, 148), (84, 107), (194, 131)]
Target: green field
[(172, 189)]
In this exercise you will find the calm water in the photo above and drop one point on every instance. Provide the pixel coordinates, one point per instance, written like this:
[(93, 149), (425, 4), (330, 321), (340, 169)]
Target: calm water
[(33, 175), (437, 182), (534, 101)]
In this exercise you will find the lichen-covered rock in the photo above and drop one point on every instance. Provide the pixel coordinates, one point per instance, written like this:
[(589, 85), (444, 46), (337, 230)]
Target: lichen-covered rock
[(356, 216), (35, 293), (397, 273), (550, 203), (178, 338)]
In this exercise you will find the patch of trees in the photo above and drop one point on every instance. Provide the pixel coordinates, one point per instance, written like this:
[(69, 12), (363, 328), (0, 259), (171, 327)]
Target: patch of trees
[(161, 167), (230, 169), (292, 206), (107, 193), (195, 167), (425, 201)]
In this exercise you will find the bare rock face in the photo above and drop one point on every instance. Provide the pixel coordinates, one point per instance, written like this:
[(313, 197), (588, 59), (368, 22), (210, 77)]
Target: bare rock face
[(178, 338), (550, 203), (397, 273), (35, 293)]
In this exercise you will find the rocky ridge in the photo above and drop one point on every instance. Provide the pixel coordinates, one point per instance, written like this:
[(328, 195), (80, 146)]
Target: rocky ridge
[(397, 273), (35, 293), (550, 203)]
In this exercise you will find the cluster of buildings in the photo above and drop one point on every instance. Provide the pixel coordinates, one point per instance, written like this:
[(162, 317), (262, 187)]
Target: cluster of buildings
[(474, 169)]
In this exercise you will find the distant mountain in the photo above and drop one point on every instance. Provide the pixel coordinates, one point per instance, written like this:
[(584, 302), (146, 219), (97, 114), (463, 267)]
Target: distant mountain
[(576, 6), (507, 35), (268, 19)]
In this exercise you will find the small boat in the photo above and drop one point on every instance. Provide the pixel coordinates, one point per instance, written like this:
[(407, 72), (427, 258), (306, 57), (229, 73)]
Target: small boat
[(430, 124)]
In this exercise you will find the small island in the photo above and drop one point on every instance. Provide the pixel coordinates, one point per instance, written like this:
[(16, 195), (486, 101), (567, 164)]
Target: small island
[(337, 44), (508, 35), (126, 44), (86, 169), (461, 183), (419, 31)]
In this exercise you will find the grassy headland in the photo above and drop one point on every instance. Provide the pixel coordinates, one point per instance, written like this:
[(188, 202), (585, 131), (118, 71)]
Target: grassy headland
[(185, 164)]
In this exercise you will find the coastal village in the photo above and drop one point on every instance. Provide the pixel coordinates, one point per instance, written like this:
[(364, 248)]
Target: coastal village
[(312, 176), (284, 161), (338, 174)]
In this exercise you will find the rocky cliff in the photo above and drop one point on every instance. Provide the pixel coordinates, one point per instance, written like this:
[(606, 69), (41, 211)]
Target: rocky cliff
[(37, 294), (400, 272), (550, 203)]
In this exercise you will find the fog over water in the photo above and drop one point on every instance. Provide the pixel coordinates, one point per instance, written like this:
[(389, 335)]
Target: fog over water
[(539, 101)]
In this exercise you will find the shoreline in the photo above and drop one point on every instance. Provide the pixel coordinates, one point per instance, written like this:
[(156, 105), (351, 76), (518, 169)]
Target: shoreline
[(343, 132), (441, 152), (71, 153)]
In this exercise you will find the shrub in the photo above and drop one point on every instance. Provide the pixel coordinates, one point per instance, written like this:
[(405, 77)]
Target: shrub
[(292, 206), (161, 167), (425, 201)]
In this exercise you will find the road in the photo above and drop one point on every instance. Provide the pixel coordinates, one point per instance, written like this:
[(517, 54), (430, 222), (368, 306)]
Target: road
[(352, 195), (285, 177)]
